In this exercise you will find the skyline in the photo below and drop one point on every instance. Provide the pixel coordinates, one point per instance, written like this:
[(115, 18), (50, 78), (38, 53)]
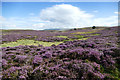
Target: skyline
[(44, 15)]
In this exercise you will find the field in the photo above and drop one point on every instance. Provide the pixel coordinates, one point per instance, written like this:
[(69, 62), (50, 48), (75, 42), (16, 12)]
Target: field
[(84, 53)]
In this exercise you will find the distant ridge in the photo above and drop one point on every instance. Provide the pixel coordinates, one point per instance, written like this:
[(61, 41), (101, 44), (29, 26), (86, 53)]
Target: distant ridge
[(52, 29)]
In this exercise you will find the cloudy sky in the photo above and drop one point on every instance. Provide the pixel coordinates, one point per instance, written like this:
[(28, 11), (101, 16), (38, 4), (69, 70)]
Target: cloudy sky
[(46, 15)]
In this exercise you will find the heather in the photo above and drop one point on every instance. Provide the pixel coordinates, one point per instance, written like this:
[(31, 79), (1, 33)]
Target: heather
[(84, 54)]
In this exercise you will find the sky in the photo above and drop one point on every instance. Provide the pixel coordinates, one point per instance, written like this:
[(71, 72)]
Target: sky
[(60, 0), (47, 15)]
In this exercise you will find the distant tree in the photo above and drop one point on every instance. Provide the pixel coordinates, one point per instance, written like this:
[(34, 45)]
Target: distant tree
[(75, 29), (93, 27)]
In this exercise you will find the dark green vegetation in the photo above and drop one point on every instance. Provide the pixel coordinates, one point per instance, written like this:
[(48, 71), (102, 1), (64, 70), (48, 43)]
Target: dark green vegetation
[(87, 54)]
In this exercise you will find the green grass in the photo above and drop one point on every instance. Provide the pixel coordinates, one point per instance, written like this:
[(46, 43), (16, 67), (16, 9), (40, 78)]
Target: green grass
[(77, 39), (4, 34), (79, 36), (62, 36), (83, 39), (33, 42), (29, 42), (89, 32), (28, 35), (82, 32), (95, 34), (6, 30)]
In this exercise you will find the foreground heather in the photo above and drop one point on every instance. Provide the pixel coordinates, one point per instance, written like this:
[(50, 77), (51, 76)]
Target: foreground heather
[(96, 58)]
